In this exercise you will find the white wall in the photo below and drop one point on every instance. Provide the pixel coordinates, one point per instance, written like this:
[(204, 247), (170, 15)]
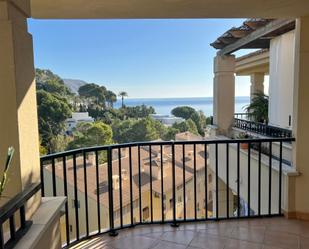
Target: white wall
[(281, 79)]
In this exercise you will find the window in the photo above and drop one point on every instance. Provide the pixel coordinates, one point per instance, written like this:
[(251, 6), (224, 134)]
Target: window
[(209, 178), (145, 213), (210, 195), (171, 203), (179, 198)]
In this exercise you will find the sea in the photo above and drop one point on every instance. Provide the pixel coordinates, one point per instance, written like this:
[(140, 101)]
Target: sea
[(166, 105)]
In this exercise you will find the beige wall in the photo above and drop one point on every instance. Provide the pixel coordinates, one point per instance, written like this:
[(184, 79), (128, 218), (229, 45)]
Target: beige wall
[(301, 116), (18, 126)]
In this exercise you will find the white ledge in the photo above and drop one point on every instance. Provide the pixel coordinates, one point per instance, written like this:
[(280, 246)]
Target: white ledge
[(47, 212)]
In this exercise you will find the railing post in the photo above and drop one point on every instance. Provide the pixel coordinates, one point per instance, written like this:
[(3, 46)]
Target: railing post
[(112, 231), (174, 224)]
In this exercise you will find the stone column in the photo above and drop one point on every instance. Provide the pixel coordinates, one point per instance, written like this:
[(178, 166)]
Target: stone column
[(224, 93), (300, 122), (18, 110), (257, 84)]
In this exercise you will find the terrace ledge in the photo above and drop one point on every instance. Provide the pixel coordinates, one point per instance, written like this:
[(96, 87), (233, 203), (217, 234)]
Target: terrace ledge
[(45, 229)]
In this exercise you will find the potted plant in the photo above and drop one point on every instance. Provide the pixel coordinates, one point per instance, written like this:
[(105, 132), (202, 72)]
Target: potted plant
[(243, 135), (258, 108), (4, 178)]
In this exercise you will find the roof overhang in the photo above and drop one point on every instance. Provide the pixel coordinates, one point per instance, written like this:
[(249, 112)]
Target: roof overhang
[(112, 9), (256, 62), (258, 38)]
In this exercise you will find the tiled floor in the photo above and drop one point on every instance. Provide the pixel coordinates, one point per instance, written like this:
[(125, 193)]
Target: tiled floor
[(270, 233)]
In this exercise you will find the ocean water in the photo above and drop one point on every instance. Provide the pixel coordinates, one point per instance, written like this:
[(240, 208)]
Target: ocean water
[(165, 105)]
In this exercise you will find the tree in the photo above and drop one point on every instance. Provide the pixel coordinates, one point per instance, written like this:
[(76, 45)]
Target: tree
[(188, 113), (132, 130), (91, 134), (52, 113), (111, 98), (258, 108), (94, 93), (184, 112), (187, 125), (122, 95), (170, 134)]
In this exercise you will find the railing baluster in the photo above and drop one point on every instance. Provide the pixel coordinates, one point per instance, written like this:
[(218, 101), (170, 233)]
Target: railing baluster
[(139, 183), (217, 179), (270, 180), (194, 176), (65, 187), (131, 186), (54, 177), (174, 224), (98, 190), (1, 237), (112, 231), (162, 184), (42, 177), (249, 179), (280, 178), (120, 185), (12, 227), (75, 197), (184, 181), (150, 173), (238, 179), (259, 179), (206, 181), (227, 181), (86, 193), (22, 214)]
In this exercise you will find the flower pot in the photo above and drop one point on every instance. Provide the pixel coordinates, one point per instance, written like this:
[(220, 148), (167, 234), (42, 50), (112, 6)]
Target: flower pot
[(244, 146)]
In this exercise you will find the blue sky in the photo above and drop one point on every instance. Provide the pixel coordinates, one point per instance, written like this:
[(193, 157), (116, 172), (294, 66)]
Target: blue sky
[(146, 58)]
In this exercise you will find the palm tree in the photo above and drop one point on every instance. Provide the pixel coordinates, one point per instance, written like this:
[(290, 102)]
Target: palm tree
[(122, 95), (258, 108)]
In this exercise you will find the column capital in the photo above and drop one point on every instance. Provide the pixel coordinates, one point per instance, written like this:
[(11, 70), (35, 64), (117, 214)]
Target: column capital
[(224, 63)]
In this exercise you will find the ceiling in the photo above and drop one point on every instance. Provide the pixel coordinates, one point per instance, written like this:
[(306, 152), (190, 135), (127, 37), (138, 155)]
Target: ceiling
[(111, 9)]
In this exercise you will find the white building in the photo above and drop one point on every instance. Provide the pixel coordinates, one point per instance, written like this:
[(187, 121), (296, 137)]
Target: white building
[(77, 117), (167, 119)]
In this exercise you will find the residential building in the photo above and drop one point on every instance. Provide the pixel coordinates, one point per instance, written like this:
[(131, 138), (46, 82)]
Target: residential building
[(167, 120), (77, 117)]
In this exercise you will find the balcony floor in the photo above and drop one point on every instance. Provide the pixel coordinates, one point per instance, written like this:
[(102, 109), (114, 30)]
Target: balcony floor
[(264, 233)]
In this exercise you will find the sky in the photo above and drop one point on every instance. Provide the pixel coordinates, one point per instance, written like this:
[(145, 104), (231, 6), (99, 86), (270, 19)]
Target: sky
[(146, 58)]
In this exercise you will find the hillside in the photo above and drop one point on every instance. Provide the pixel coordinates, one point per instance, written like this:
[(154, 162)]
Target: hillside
[(74, 84)]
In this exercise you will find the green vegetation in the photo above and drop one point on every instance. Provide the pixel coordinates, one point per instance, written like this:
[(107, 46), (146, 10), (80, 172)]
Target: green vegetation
[(126, 124), (258, 108), (122, 95), (191, 115)]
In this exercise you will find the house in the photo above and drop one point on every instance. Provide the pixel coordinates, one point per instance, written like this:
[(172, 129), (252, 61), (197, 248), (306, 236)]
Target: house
[(167, 120), (77, 117)]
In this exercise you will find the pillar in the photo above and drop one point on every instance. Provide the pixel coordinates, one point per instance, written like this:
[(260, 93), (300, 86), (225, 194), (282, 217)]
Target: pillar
[(18, 110), (257, 84), (224, 93), (299, 205)]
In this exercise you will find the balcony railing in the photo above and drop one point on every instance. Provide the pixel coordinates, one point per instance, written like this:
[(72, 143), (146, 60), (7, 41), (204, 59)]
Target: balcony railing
[(124, 185), (14, 213), (242, 121)]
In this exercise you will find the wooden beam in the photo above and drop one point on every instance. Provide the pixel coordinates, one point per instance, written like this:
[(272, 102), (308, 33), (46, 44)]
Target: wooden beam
[(267, 29)]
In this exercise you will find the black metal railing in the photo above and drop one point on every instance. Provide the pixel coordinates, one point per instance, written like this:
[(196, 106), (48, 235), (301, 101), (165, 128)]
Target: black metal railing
[(124, 185), (242, 121), (13, 223)]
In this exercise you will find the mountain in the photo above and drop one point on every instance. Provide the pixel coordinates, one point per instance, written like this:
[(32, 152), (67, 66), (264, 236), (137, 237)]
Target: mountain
[(74, 84)]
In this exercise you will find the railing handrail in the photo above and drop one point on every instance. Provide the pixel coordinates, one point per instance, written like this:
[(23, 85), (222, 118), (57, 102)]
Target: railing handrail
[(8, 212), (9, 208), (158, 143), (200, 167)]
